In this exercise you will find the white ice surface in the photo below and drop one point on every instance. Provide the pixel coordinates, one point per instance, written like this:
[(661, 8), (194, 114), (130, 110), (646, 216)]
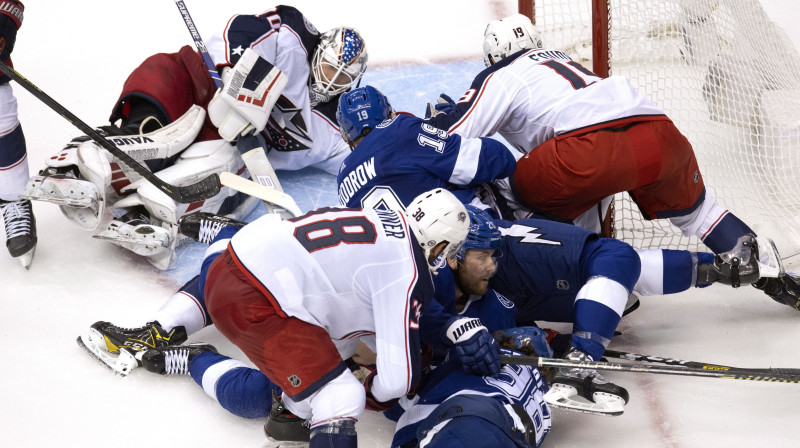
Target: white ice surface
[(51, 393)]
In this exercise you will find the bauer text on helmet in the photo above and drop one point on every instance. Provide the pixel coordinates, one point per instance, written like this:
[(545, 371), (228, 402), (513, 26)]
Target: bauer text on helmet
[(483, 232), (507, 36), (435, 217)]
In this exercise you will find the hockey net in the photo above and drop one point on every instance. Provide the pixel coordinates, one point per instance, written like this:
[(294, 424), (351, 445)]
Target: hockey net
[(730, 80)]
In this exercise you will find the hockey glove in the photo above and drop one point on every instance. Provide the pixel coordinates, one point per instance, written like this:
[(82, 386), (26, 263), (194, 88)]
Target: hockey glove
[(444, 104), (10, 21), (372, 403), (248, 94), (475, 347)]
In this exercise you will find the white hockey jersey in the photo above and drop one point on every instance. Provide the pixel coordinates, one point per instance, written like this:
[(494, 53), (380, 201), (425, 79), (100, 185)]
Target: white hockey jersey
[(536, 95), (354, 273), (298, 136)]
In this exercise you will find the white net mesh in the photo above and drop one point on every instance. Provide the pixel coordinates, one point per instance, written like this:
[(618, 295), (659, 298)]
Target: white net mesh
[(729, 79)]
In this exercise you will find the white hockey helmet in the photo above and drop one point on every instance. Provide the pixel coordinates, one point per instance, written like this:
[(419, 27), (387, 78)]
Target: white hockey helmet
[(339, 61), (438, 216), (507, 36)]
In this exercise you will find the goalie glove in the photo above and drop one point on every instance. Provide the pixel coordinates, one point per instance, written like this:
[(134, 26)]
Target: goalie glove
[(475, 348), (245, 101)]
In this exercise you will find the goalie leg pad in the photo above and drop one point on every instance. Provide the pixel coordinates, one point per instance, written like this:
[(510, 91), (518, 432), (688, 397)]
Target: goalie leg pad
[(245, 101)]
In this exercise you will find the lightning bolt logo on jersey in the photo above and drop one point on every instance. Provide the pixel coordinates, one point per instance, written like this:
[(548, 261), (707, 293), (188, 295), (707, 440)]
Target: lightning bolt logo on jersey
[(527, 234)]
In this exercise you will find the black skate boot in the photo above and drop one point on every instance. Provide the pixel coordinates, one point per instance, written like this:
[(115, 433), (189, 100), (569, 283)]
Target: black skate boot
[(604, 397), (20, 229), (173, 360), (141, 339), (784, 289), (284, 429), (204, 227), (735, 267)]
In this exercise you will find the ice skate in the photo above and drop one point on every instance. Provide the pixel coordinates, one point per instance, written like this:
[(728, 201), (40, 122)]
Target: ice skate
[(784, 289), (204, 227), (284, 429), (173, 360), (118, 348), (141, 238), (602, 396), (20, 230)]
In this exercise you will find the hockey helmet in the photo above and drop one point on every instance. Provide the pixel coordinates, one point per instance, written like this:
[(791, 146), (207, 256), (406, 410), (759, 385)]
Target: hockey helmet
[(483, 233), (437, 216), (507, 36), (521, 337), (361, 110), (339, 61)]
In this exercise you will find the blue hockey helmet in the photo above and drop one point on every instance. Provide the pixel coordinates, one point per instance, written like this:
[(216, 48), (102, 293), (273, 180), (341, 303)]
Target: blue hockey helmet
[(534, 337), (483, 233), (360, 109)]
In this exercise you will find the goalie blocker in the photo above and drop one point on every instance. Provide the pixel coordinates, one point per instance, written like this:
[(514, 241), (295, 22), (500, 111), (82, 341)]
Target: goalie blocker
[(249, 92)]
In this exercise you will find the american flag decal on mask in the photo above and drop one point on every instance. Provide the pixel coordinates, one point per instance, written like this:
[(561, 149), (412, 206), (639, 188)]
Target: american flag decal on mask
[(352, 46)]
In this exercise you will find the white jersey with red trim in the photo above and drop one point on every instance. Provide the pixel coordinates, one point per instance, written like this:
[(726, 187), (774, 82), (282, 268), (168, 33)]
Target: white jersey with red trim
[(298, 136), (535, 95), (354, 273)]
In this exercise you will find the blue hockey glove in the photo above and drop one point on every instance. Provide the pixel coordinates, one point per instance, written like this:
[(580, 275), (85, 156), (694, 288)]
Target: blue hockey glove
[(10, 21), (444, 104), (475, 348)]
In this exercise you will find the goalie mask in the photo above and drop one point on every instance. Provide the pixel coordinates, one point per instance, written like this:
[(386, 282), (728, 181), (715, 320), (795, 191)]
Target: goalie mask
[(339, 62), (507, 36), (437, 216), (360, 110)]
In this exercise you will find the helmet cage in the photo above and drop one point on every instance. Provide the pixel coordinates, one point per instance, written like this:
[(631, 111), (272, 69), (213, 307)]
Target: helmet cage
[(339, 61)]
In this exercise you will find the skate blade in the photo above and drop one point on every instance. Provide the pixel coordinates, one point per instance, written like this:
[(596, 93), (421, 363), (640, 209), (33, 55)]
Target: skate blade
[(27, 258), (117, 238), (94, 344), (272, 443), (769, 263), (560, 396)]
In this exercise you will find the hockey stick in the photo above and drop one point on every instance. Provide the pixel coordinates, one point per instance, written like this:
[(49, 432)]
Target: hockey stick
[(774, 375), (203, 189), (266, 194), (255, 159)]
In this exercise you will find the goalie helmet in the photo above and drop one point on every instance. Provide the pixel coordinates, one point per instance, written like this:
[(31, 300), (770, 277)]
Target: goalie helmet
[(360, 110), (437, 216), (507, 36), (339, 61), (483, 232)]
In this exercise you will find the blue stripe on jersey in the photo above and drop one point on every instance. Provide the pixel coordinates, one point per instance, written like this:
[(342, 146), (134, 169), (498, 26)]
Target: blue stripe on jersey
[(12, 148), (591, 315)]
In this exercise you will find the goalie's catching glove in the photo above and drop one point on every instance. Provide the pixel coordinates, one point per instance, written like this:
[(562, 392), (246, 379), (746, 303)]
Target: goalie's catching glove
[(249, 92), (475, 348)]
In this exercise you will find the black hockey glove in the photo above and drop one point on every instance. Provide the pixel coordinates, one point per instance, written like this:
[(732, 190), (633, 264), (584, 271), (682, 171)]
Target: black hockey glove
[(10, 21)]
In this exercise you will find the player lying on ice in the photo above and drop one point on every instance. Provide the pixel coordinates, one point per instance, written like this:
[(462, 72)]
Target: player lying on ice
[(171, 119), (504, 419), (586, 138)]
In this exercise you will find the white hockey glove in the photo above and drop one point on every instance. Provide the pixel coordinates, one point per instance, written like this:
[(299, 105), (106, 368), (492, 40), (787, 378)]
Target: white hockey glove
[(245, 101)]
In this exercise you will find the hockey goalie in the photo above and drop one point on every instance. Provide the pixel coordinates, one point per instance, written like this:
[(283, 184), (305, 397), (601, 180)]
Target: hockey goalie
[(164, 126)]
